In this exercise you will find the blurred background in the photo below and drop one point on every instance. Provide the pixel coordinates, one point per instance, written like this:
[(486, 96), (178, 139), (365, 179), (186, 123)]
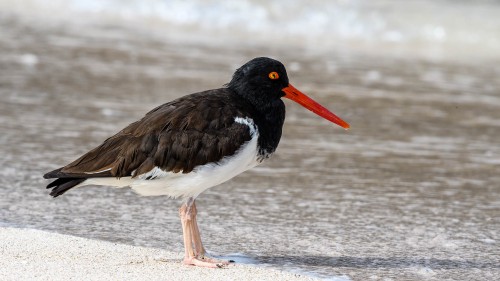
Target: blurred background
[(442, 29), (411, 192)]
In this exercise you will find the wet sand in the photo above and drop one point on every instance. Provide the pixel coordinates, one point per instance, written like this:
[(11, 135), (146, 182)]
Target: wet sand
[(411, 192)]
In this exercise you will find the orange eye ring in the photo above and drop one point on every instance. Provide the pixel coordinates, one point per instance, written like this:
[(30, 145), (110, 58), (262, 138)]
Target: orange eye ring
[(274, 75)]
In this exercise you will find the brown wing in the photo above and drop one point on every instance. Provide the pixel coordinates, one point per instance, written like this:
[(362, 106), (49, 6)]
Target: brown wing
[(177, 136)]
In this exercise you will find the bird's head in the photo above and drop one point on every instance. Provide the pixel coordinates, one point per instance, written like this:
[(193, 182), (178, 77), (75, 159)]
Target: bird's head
[(264, 81), (260, 80)]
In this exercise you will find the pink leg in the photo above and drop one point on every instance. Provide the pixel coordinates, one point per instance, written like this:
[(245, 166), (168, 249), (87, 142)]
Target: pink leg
[(191, 235), (199, 250)]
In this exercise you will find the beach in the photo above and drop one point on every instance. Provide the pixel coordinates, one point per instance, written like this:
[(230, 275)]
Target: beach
[(410, 192), (29, 254)]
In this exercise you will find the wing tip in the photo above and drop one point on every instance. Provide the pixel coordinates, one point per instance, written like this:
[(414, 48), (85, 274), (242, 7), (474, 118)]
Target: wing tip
[(53, 174)]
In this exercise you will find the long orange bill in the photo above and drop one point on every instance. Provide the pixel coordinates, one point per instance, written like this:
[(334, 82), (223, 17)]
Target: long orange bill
[(300, 98)]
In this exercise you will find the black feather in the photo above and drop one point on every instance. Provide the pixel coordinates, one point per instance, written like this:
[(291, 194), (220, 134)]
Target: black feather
[(62, 185)]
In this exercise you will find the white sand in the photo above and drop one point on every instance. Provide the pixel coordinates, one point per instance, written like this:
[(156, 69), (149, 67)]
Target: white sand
[(27, 254)]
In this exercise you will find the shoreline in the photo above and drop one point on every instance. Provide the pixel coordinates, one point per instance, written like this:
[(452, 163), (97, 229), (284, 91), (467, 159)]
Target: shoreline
[(30, 254)]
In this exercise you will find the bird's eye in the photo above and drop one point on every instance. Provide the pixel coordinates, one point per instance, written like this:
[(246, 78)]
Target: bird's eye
[(273, 75)]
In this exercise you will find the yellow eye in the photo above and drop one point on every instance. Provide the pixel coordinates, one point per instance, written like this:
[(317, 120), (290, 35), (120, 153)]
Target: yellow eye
[(273, 75)]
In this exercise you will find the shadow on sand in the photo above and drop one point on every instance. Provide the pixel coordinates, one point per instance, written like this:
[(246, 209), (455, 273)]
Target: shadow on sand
[(376, 262)]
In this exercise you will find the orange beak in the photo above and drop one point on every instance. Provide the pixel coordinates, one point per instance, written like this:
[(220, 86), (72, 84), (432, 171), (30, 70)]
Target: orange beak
[(300, 98)]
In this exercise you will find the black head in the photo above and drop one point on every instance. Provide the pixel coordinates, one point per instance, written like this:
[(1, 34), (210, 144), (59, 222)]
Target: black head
[(260, 81), (263, 82)]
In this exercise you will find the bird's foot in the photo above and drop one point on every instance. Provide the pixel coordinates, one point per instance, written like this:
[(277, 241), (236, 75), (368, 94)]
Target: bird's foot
[(214, 260), (205, 262)]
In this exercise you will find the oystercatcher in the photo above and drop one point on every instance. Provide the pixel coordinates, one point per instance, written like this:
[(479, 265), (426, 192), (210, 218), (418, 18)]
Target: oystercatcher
[(185, 146)]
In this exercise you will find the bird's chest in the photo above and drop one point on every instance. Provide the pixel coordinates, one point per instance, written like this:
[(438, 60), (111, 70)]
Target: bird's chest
[(270, 131)]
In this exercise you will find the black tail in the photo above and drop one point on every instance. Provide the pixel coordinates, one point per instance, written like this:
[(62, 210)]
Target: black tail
[(66, 181), (62, 185)]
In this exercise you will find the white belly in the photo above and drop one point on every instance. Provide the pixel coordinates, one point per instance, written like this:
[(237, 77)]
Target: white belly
[(190, 184)]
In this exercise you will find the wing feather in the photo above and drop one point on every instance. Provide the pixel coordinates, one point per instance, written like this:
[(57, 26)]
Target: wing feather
[(177, 136)]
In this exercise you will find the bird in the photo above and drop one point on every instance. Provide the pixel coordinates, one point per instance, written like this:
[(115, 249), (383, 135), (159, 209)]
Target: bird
[(185, 146)]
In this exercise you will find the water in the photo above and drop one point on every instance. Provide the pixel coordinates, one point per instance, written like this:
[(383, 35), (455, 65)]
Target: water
[(441, 29), (411, 192)]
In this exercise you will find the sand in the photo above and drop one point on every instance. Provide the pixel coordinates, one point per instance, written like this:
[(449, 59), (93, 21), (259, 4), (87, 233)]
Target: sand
[(28, 254)]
